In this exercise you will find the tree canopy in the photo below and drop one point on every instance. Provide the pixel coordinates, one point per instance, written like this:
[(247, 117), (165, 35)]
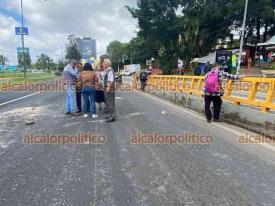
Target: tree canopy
[(116, 52), (44, 62), (172, 29), (72, 51), (3, 59), (27, 60)]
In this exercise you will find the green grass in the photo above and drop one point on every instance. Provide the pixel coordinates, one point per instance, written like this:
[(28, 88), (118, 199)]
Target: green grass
[(18, 78), (21, 74)]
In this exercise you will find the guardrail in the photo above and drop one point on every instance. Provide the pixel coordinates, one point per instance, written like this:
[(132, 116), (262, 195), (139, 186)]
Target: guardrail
[(251, 91)]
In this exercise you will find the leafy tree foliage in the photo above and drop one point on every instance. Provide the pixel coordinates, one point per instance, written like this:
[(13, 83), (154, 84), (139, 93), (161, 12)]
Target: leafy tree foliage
[(27, 59), (60, 66), (172, 29), (3, 59), (116, 52), (157, 23), (72, 51), (44, 62)]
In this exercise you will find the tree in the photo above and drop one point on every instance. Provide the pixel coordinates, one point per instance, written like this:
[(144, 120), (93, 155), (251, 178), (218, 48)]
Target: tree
[(139, 50), (60, 66), (201, 27), (72, 51), (27, 60), (3, 59), (260, 19), (45, 63), (158, 31), (116, 51)]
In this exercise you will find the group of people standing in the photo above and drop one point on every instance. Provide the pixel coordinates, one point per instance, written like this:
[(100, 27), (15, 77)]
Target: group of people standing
[(82, 82)]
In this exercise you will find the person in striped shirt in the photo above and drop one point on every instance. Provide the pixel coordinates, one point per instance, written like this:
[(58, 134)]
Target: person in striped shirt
[(216, 94)]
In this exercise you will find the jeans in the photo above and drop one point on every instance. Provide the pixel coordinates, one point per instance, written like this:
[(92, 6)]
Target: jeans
[(89, 97), (70, 98), (217, 103)]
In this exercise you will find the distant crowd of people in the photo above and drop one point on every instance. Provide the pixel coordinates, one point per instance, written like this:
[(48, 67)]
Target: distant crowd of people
[(93, 86)]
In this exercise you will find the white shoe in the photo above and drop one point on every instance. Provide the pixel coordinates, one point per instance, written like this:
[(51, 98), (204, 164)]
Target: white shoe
[(94, 116), (86, 116)]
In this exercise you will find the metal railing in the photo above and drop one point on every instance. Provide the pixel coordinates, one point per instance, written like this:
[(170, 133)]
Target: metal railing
[(251, 91)]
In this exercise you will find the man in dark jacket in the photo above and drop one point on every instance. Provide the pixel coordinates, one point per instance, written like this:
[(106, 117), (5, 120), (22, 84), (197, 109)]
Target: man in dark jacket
[(207, 67), (143, 79)]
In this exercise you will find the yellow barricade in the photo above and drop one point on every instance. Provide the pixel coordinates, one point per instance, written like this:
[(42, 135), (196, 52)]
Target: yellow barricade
[(251, 91)]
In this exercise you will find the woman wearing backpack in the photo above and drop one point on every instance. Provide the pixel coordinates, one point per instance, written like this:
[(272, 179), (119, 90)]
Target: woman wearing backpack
[(213, 91)]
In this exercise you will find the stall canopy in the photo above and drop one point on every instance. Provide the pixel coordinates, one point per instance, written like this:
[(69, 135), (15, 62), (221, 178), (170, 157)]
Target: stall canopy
[(269, 42), (211, 57)]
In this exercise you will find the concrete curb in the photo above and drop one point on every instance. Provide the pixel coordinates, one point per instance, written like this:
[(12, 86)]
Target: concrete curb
[(245, 117)]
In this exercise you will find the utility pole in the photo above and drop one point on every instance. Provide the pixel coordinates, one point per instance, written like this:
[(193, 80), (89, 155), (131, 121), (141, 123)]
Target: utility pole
[(22, 39), (62, 56), (242, 38)]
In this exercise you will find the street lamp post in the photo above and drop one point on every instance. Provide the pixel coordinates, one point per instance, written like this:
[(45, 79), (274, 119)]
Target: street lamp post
[(62, 55), (22, 39), (242, 39)]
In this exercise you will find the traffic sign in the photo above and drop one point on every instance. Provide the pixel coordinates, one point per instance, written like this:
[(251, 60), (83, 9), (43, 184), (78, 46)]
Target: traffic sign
[(148, 62), (180, 64), (21, 31), (20, 50)]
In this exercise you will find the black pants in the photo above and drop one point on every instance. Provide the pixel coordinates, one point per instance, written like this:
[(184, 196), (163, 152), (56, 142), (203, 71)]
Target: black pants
[(217, 103), (143, 85), (78, 101)]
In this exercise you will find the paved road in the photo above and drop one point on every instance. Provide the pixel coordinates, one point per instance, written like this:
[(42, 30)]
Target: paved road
[(9, 96), (121, 173)]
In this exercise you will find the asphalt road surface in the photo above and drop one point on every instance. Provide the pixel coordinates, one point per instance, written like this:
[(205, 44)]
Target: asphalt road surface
[(120, 173)]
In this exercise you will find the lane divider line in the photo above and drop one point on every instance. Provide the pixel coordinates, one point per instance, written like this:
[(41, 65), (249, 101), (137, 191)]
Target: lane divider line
[(17, 99)]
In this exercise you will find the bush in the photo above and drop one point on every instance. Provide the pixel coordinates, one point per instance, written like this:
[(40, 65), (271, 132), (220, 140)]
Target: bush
[(58, 73), (265, 65)]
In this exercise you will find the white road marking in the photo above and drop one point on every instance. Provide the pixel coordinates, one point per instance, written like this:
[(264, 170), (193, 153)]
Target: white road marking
[(15, 100), (268, 146), (5, 144), (101, 121)]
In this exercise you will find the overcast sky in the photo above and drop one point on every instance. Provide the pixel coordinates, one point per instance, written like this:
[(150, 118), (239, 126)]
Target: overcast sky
[(51, 21)]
